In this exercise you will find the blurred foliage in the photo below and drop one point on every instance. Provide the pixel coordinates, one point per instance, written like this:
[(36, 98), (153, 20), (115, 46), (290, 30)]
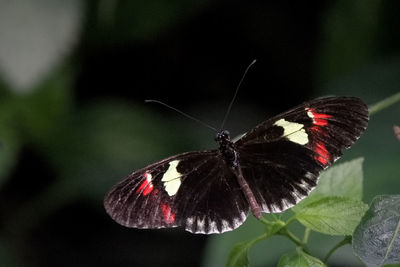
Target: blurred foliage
[(74, 74), (35, 37), (350, 37)]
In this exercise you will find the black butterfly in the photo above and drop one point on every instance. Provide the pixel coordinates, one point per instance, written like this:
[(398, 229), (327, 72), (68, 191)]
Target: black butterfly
[(269, 169)]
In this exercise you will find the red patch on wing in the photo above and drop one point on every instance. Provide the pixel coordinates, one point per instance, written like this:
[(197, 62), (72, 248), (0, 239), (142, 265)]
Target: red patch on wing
[(317, 129), (319, 118), (168, 216), (146, 185), (147, 190), (323, 156), (320, 122)]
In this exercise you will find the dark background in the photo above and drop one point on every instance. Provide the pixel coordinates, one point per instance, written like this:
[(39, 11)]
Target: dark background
[(73, 79)]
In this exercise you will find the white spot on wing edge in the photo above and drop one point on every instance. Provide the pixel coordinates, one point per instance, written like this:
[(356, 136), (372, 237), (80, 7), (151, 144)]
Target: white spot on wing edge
[(309, 175), (172, 178), (225, 225), (293, 131), (212, 226), (310, 114), (285, 203), (239, 221), (200, 225), (148, 176), (197, 225), (189, 222)]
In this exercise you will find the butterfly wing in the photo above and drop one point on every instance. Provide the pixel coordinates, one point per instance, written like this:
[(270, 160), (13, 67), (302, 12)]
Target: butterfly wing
[(280, 160), (282, 157), (195, 190)]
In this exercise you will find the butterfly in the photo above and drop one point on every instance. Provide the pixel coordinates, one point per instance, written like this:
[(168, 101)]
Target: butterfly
[(268, 170)]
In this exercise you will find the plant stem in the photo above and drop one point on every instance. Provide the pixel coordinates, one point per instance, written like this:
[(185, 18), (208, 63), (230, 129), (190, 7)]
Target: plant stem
[(265, 221), (291, 219), (345, 241), (285, 232), (306, 235), (294, 238), (384, 103), (251, 243), (257, 239)]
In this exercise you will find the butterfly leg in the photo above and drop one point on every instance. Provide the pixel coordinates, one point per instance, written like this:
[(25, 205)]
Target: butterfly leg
[(255, 207)]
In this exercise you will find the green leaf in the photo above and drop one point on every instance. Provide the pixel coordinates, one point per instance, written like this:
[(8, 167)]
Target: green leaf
[(340, 180), (239, 255), (299, 258), (377, 239), (332, 215)]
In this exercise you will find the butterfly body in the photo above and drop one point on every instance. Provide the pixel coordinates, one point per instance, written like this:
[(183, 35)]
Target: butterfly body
[(231, 158), (270, 169)]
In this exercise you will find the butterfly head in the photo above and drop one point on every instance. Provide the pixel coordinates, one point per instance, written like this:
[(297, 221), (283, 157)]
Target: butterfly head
[(222, 137)]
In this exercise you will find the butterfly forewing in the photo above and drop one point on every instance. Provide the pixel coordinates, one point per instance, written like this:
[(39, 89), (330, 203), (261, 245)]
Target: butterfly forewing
[(195, 190), (282, 157)]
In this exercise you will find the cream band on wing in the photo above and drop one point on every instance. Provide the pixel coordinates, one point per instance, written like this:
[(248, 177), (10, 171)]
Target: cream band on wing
[(293, 131), (172, 178)]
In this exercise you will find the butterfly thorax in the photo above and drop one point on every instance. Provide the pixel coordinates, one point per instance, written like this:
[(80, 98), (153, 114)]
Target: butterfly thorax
[(227, 148)]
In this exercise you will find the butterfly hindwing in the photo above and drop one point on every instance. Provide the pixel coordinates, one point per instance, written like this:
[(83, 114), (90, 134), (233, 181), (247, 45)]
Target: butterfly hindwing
[(282, 157), (195, 190)]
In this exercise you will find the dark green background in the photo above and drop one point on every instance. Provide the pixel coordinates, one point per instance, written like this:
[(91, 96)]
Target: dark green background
[(82, 125)]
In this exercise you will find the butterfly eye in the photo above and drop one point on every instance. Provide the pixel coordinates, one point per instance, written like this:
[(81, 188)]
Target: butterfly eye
[(218, 137), (225, 133)]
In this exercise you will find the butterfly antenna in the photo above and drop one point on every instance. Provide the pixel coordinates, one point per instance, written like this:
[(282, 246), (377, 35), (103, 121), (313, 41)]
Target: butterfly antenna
[(234, 96), (181, 112)]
